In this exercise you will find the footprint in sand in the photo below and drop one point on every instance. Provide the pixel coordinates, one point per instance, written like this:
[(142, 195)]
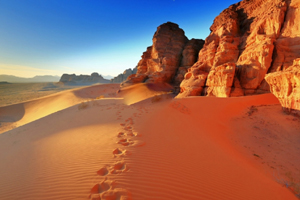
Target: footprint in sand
[(180, 107), (129, 142), (121, 134), (128, 133), (117, 194), (118, 168), (99, 189), (126, 142), (106, 190), (128, 128), (131, 134), (129, 121), (103, 171), (120, 152), (112, 194)]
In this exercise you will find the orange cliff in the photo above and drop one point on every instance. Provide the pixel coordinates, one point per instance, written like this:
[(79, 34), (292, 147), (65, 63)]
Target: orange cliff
[(248, 40), (168, 59), (244, 35)]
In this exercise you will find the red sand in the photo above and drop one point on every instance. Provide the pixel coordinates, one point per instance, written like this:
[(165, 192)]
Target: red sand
[(154, 148)]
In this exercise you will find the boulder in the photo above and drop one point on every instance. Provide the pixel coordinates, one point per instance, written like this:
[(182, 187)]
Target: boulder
[(285, 85)]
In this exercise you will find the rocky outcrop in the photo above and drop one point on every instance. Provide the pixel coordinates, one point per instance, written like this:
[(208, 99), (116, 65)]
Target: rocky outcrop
[(170, 50), (72, 79), (122, 77), (285, 85), (255, 36)]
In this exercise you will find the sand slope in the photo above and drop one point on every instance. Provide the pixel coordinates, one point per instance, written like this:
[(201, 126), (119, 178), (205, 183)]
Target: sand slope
[(22, 113), (152, 149), (14, 93)]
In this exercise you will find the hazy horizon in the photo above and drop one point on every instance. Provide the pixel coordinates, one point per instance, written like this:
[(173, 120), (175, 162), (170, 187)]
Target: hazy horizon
[(82, 37), (38, 78)]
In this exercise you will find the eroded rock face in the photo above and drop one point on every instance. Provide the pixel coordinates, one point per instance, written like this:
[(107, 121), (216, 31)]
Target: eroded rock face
[(285, 85), (72, 79), (220, 79), (160, 63), (250, 34)]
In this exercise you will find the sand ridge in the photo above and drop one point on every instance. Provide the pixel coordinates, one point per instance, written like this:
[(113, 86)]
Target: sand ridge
[(19, 114)]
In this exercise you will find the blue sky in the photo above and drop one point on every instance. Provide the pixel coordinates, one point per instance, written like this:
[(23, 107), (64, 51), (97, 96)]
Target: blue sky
[(52, 37)]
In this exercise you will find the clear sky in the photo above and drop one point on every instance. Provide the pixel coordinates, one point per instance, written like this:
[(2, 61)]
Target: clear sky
[(52, 37)]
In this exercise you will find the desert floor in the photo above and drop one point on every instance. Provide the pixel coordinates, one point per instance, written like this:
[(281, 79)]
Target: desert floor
[(92, 143), (13, 93)]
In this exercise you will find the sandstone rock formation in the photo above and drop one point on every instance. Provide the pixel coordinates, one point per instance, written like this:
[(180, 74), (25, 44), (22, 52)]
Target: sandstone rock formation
[(189, 57), (285, 85), (72, 79), (170, 50), (220, 79), (259, 36), (122, 77)]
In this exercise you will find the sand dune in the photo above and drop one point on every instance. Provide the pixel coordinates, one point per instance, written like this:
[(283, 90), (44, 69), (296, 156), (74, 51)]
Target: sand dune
[(22, 113), (154, 148), (141, 91)]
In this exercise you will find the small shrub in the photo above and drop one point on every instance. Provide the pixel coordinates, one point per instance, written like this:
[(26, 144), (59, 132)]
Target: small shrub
[(252, 109), (156, 99), (83, 105), (100, 97), (256, 155)]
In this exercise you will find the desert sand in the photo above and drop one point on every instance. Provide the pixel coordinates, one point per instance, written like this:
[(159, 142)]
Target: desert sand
[(140, 143), (18, 114), (12, 93)]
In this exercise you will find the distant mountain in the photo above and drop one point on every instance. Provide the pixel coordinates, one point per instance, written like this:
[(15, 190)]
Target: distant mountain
[(4, 82), (73, 79), (108, 77), (15, 79)]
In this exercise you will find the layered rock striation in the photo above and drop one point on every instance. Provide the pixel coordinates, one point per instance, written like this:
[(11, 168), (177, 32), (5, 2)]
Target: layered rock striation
[(247, 40), (123, 77), (72, 79), (167, 60), (285, 85)]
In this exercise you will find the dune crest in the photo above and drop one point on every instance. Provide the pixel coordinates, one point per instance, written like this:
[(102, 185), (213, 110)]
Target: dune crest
[(19, 114)]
